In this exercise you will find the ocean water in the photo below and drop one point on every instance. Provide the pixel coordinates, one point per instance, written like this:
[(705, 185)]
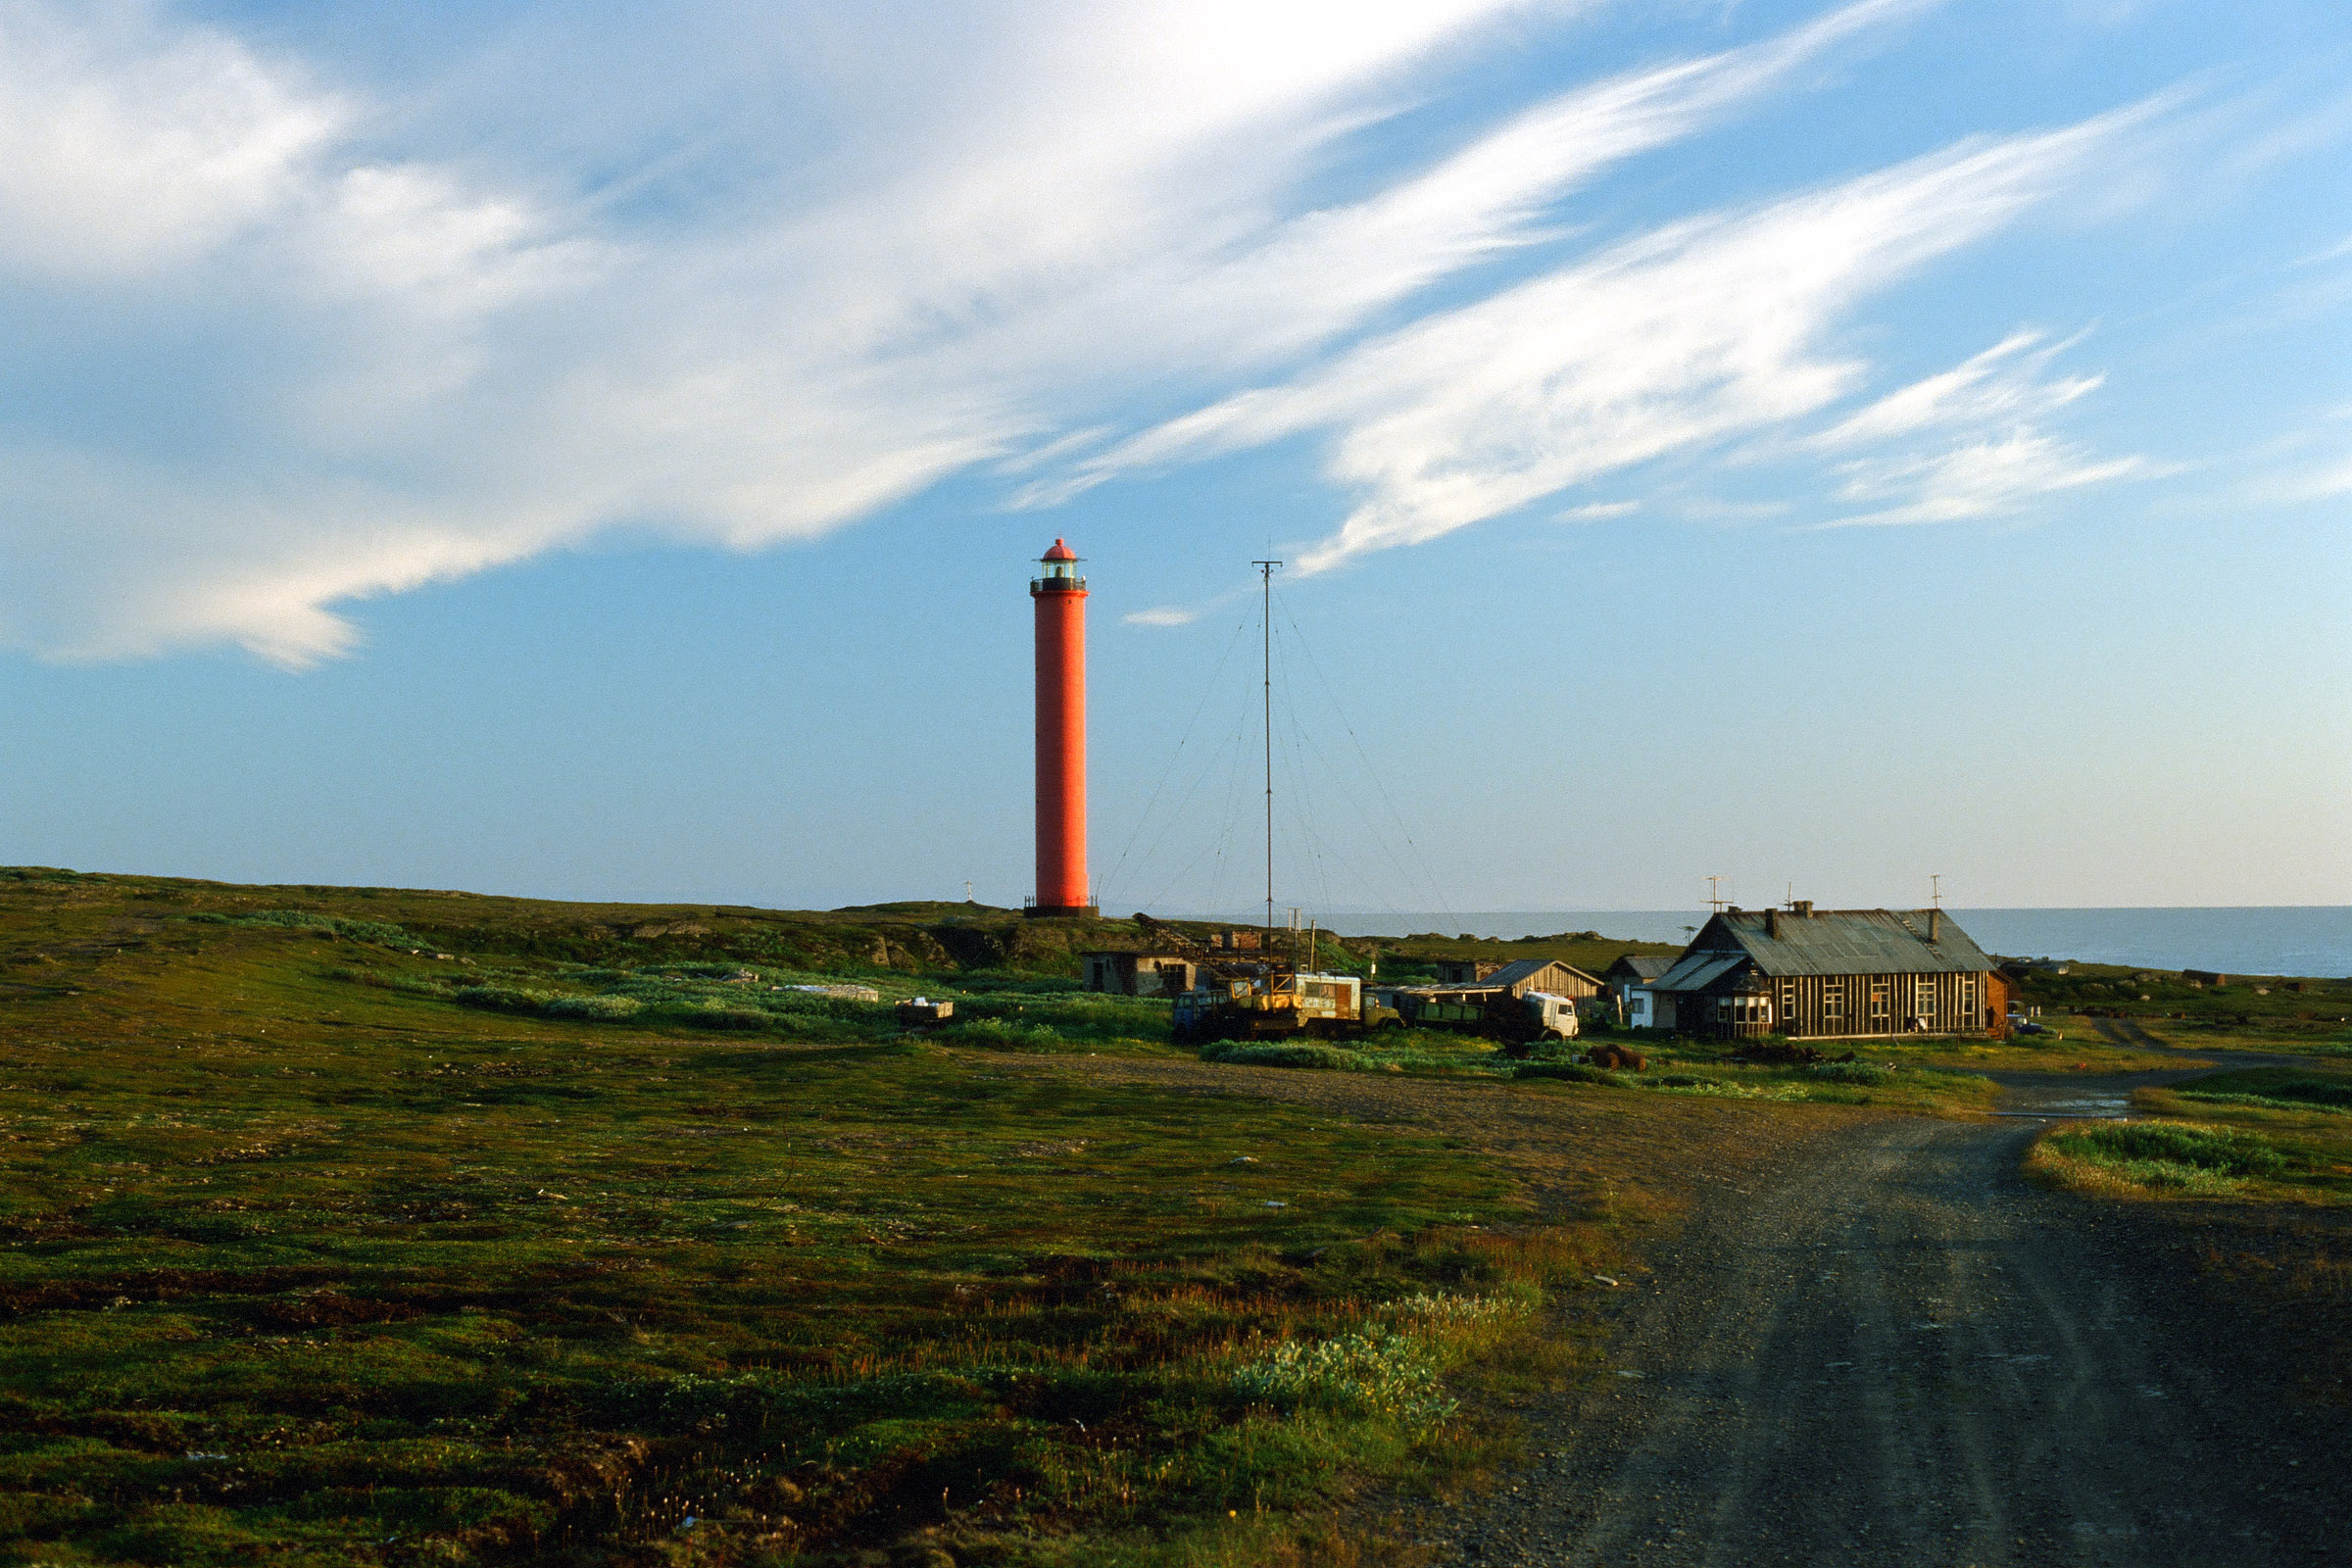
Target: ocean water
[(2313, 940)]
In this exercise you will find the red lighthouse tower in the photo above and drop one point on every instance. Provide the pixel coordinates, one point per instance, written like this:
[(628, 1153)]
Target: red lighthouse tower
[(1059, 596)]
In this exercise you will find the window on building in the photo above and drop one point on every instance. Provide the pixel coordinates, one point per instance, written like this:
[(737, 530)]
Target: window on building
[(1878, 1006), (1788, 1001), (1925, 1005), (1968, 993), (1832, 1002)]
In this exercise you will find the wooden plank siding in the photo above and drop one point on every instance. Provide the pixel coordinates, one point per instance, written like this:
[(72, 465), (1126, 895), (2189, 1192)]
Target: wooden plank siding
[(1852, 1006)]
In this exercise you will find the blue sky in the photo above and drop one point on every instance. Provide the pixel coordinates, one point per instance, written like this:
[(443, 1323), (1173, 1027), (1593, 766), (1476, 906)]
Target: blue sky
[(594, 452)]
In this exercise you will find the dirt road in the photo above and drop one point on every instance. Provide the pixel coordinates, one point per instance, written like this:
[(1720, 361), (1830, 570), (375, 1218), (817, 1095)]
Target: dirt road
[(1889, 1349)]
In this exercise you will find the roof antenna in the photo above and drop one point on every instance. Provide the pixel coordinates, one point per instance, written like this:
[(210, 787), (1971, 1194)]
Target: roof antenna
[(1935, 907), (1714, 893)]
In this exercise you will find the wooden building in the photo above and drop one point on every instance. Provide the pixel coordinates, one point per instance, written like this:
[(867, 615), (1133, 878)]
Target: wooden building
[(1547, 976), (1837, 974), (1140, 975), (1463, 971), (1633, 983)]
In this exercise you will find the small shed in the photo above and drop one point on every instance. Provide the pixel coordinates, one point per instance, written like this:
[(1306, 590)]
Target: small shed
[(1633, 980), (1635, 969), (1463, 971), (1140, 975), (1547, 976)]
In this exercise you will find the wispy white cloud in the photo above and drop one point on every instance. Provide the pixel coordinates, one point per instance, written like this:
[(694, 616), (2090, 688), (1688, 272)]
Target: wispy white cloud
[(1967, 443), (1162, 615), (384, 369), (124, 147), (2323, 483), (1984, 478), (1599, 511), (2004, 383), (1704, 330), (342, 364), (2333, 253)]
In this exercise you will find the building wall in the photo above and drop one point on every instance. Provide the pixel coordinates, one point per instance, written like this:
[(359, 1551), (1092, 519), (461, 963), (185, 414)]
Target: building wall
[(1138, 974), (1559, 980), (1857, 1007)]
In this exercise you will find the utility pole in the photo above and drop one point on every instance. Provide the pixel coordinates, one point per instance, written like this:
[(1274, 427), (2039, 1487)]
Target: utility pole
[(1265, 628)]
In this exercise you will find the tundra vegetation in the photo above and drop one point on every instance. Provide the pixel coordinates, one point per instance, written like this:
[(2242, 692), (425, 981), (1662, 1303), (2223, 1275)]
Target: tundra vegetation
[(367, 1226), (370, 1226)]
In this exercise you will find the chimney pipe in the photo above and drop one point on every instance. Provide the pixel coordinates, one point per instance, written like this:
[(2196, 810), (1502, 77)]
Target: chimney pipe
[(1771, 923), (1934, 924)]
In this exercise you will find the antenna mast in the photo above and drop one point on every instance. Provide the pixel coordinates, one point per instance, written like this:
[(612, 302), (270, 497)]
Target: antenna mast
[(1715, 894), (1265, 628)]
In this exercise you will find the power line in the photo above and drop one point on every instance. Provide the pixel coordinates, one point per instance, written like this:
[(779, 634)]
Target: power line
[(1208, 692)]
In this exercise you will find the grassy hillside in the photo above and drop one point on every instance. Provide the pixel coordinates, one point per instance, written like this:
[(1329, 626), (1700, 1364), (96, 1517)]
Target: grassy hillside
[(363, 1225), (2264, 1012)]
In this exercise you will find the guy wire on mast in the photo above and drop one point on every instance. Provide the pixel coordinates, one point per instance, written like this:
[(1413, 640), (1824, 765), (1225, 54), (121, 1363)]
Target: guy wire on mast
[(1265, 622)]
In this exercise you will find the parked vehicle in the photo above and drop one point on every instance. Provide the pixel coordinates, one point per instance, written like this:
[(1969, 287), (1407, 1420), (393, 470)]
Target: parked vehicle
[(1266, 999), (1488, 1011), (1278, 1005)]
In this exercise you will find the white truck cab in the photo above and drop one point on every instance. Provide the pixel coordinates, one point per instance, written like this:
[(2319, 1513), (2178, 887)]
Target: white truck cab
[(1551, 1014)]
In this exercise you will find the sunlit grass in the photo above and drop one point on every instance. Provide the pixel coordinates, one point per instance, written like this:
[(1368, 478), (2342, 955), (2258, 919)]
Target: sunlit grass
[(325, 1251)]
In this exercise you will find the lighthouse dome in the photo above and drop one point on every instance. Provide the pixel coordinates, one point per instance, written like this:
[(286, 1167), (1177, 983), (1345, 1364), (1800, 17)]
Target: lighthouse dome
[(1059, 552)]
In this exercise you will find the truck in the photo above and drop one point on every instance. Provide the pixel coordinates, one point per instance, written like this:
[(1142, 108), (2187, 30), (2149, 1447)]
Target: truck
[(1489, 1010), (1280, 1003), (1266, 998)]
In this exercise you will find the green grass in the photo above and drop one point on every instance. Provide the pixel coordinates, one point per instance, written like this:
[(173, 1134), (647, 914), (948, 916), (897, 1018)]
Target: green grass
[(1692, 1069), (2308, 1014), (322, 1249), (2273, 1088), (2167, 1155)]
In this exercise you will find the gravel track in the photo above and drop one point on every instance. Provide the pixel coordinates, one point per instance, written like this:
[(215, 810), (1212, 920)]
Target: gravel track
[(1894, 1350), (1871, 1341)]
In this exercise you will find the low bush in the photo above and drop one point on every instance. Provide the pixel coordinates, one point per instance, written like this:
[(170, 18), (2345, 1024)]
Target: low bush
[(1849, 1073), (1375, 1371), (595, 1009), (379, 932)]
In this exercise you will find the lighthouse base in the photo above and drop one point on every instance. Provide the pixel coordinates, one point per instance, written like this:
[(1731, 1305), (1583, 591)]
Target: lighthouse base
[(1063, 912)]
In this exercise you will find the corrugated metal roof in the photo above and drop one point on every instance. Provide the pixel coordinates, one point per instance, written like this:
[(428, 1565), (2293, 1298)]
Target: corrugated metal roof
[(1695, 971), (1833, 942), (1646, 965)]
